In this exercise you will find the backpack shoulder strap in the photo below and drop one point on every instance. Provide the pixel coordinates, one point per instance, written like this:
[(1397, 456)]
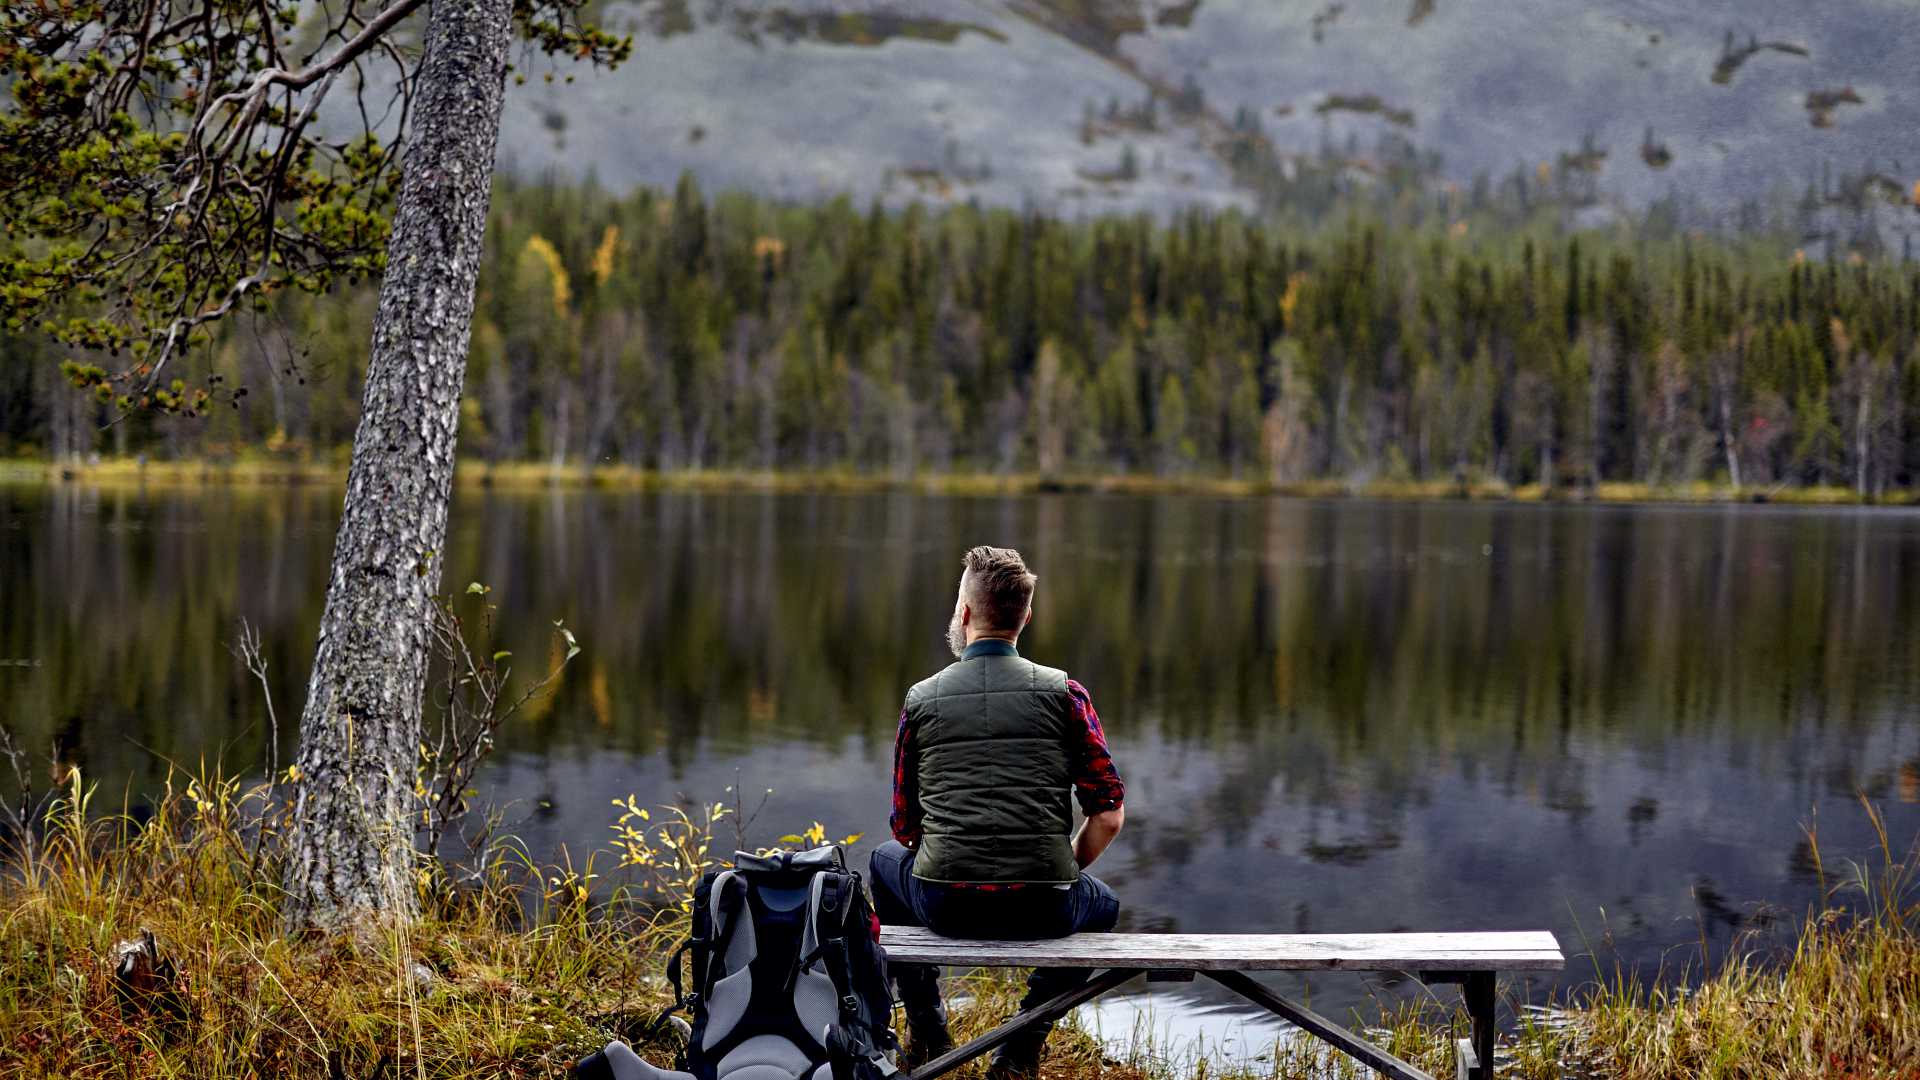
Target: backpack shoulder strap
[(827, 906), (859, 1045), (719, 906), (728, 903)]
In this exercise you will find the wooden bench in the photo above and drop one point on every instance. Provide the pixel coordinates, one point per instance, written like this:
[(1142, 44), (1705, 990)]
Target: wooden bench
[(1471, 960)]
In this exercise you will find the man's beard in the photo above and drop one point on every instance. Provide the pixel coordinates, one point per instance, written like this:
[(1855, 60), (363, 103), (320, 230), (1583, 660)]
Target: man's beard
[(956, 635)]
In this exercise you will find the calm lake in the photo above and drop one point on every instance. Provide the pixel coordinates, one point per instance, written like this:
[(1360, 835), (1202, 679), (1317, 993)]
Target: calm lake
[(1332, 716)]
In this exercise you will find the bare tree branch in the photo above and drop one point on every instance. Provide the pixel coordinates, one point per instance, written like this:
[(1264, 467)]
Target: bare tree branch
[(246, 649), (474, 708), (22, 818), (361, 42)]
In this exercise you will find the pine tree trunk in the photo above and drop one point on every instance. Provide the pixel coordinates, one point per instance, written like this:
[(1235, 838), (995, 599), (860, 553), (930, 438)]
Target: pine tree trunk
[(351, 850), (1863, 420), (1727, 437)]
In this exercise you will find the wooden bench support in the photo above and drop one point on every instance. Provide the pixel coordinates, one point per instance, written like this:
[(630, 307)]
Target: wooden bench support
[(1475, 1054), (1473, 961), (1313, 1023), (1052, 1010), (1479, 994), (1466, 1062)]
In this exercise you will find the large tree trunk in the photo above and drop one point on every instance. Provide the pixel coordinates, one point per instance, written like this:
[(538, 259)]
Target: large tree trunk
[(351, 852)]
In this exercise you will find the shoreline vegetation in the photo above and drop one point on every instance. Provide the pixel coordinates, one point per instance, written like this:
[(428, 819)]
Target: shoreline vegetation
[(149, 944), (250, 472), (1424, 337)]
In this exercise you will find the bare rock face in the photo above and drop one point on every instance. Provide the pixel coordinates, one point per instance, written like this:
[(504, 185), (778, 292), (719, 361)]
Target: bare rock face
[(758, 95)]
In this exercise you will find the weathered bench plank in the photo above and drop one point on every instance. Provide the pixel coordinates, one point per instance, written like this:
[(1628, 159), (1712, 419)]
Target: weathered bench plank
[(1504, 951)]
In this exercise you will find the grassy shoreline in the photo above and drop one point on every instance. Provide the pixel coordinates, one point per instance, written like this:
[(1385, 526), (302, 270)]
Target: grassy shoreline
[(517, 968), (246, 472)]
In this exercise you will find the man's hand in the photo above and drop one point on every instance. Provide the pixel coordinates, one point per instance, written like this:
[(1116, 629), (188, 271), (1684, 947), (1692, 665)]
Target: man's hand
[(1096, 833)]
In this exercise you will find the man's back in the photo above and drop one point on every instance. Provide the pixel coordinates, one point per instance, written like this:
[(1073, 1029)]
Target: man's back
[(992, 733)]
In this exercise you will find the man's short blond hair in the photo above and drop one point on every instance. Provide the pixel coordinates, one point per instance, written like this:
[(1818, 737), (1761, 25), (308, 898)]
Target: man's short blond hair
[(999, 588)]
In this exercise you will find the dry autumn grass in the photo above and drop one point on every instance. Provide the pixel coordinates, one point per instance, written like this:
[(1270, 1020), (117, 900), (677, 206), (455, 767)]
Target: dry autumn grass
[(260, 471), (516, 969)]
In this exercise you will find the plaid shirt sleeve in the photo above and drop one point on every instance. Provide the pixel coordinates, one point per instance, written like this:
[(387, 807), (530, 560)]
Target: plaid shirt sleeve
[(905, 818), (1096, 783)]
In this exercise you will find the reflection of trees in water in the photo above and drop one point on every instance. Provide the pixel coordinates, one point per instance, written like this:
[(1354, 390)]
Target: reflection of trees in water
[(125, 604), (1344, 655)]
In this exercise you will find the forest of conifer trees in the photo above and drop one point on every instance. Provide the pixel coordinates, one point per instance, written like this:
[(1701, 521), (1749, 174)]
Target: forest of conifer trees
[(675, 331)]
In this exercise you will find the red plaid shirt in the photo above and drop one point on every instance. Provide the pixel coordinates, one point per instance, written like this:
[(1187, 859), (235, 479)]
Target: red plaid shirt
[(1096, 783)]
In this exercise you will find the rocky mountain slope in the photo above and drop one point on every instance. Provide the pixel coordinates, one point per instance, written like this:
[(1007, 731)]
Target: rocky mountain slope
[(1123, 104)]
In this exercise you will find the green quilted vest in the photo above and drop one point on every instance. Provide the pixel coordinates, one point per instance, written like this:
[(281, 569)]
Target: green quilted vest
[(994, 777)]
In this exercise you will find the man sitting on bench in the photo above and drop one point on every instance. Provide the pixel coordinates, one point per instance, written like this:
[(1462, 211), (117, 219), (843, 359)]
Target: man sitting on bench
[(984, 843)]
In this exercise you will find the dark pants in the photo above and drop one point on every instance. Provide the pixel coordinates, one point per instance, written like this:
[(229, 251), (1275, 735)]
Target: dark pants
[(1032, 911)]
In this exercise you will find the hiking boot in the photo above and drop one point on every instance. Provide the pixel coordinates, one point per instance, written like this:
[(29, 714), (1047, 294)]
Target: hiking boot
[(927, 1037), (1019, 1057), (918, 987)]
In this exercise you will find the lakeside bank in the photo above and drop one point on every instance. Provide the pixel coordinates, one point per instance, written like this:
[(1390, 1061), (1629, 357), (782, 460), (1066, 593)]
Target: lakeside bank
[(535, 476), (517, 967)]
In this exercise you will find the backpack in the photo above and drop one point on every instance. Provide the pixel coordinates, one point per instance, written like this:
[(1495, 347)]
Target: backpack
[(788, 979)]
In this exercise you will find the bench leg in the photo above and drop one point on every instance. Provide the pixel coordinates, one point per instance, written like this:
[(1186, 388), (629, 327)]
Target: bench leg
[(1052, 1010), (1478, 992), (1321, 1027)]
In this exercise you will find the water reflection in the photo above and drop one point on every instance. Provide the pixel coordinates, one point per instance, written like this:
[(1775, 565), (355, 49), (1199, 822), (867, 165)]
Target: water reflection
[(1332, 716)]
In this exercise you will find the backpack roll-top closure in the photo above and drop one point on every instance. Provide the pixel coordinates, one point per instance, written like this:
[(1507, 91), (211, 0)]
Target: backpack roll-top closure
[(994, 774)]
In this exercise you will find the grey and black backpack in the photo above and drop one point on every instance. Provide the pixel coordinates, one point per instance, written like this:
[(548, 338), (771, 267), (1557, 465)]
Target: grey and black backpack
[(787, 979)]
